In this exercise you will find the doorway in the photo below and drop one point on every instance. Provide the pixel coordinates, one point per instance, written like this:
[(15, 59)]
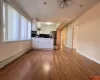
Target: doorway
[(58, 39), (70, 37), (75, 37)]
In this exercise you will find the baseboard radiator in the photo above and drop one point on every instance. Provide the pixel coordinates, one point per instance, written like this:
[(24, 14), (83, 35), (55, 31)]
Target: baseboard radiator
[(12, 58)]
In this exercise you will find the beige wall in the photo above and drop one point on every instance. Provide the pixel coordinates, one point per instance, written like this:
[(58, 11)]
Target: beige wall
[(9, 49), (88, 38)]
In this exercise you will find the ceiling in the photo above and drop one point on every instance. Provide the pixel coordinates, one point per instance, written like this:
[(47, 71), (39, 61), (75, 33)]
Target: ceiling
[(39, 24), (51, 11)]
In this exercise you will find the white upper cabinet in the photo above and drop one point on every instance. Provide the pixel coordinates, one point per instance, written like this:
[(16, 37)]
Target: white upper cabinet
[(34, 27)]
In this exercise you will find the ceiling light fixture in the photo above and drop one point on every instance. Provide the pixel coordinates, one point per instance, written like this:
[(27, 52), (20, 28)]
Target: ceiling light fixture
[(65, 3), (81, 5), (49, 23)]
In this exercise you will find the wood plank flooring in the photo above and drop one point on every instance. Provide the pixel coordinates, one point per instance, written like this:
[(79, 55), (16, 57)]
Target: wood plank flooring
[(60, 64)]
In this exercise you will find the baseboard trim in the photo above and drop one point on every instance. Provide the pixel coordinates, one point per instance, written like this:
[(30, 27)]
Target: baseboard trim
[(83, 55), (89, 57), (12, 58)]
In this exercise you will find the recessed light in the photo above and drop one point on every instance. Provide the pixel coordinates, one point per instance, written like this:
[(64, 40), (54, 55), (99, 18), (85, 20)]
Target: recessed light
[(45, 3), (49, 23), (81, 5)]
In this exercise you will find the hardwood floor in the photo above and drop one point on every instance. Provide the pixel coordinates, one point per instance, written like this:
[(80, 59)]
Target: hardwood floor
[(50, 65)]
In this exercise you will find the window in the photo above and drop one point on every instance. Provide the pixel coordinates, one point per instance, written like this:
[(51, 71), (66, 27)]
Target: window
[(23, 28), (29, 30), (4, 22), (16, 26), (13, 24)]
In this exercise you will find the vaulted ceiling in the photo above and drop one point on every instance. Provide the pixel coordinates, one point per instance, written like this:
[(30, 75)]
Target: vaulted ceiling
[(51, 12)]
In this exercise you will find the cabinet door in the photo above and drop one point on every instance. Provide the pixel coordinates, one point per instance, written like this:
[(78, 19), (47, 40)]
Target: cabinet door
[(34, 28), (34, 43), (42, 43)]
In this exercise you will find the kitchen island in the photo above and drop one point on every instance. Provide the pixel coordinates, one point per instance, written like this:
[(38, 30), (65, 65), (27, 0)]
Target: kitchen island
[(42, 43)]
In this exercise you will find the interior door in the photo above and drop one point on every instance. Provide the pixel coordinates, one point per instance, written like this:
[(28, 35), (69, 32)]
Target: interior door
[(75, 36)]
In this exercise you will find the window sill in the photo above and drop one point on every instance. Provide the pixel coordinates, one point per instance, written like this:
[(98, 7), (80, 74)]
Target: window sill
[(15, 41)]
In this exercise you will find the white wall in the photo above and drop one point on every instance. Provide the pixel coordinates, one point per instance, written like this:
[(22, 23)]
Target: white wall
[(47, 29), (88, 41), (9, 49)]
